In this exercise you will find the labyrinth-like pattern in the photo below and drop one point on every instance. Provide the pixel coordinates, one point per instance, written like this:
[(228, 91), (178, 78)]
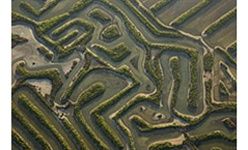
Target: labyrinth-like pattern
[(124, 74)]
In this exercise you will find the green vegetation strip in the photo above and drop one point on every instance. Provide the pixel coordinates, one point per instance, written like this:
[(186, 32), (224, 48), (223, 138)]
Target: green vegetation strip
[(223, 90), (142, 124), (208, 62), (192, 139), (90, 93), (79, 22), (125, 129), (220, 22), (26, 102), (148, 24), (68, 37), (232, 49), (193, 91), (226, 55), (16, 137), (159, 5), (31, 129), (175, 69), (46, 52), (114, 138), (80, 5), (111, 32), (208, 88), (116, 54), (17, 40), (76, 135), (76, 80), (30, 9), (16, 17), (101, 122), (46, 25), (153, 69), (189, 13), (81, 40), (88, 130), (51, 74), (100, 15), (87, 95), (149, 15), (138, 36)]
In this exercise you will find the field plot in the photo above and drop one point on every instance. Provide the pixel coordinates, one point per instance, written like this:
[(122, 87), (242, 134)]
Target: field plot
[(124, 74)]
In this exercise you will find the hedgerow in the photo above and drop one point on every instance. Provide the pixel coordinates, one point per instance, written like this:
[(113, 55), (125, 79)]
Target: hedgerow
[(116, 54), (26, 103)]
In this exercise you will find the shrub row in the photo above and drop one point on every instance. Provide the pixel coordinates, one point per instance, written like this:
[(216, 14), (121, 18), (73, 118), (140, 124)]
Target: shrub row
[(29, 8), (71, 35), (26, 102), (175, 69), (46, 25), (142, 125), (154, 19), (131, 103), (232, 50), (193, 54), (128, 23), (51, 74), (80, 5), (79, 140), (113, 100), (104, 106), (212, 135), (87, 95), (190, 120), (46, 52), (90, 93), (148, 24), (77, 22), (128, 133), (68, 37), (17, 40), (174, 48), (162, 146), (159, 5), (114, 138), (100, 15), (152, 67), (88, 130), (223, 90), (157, 71), (69, 49), (74, 64), (225, 55), (208, 89), (76, 80), (111, 32), (230, 123), (54, 46), (81, 40), (208, 62), (116, 54), (189, 13), (48, 5), (16, 17), (193, 91), (19, 140), (220, 22), (192, 139), (30, 128)]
